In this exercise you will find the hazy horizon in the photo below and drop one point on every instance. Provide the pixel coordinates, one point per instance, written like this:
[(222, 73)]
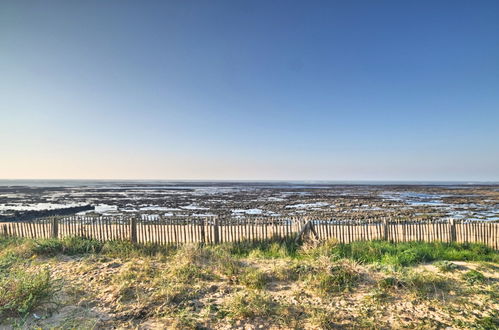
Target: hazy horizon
[(295, 181), (260, 90)]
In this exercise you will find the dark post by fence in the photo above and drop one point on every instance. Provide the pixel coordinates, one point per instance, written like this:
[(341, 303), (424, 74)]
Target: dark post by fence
[(452, 235), (203, 235), (133, 230), (216, 233), (385, 229), (55, 228)]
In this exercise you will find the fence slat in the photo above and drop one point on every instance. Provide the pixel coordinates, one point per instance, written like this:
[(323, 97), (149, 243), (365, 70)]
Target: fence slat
[(171, 230)]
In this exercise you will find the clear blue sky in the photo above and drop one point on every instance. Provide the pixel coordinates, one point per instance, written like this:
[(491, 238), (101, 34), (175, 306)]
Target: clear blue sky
[(332, 90)]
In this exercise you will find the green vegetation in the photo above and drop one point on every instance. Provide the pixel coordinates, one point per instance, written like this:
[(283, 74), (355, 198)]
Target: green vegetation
[(253, 278), (427, 285), (445, 266), (312, 286), (473, 277), (249, 304), (489, 322), (21, 291), (381, 252), (411, 253), (327, 277)]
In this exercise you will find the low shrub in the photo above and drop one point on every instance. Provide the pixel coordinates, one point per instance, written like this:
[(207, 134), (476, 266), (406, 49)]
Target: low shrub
[(21, 291), (8, 259)]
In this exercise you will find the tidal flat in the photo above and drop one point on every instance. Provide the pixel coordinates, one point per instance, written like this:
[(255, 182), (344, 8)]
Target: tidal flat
[(252, 199)]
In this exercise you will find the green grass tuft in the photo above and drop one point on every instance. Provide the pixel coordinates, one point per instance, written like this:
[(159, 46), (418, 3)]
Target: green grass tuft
[(68, 245), (474, 277), (249, 304), (427, 285), (253, 278), (326, 278), (446, 266), (21, 291)]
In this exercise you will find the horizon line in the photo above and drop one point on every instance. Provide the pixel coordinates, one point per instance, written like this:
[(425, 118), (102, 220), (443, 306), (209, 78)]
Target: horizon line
[(262, 180)]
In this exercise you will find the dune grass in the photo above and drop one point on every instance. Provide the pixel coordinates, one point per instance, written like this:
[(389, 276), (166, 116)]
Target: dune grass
[(411, 253), (21, 290), (163, 281), (380, 252)]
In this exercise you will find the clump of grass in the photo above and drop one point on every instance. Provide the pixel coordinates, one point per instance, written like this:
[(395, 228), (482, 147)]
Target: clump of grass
[(195, 262), (322, 319), (445, 266), (253, 278), (427, 285), (6, 241), (133, 279), (390, 282), (294, 271), (128, 249), (249, 304), (424, 284), (184, 272), (489, 322), (184, 320), (377, 295), (270, 249), (329, 278), (223, 262), (165, 288), (284, 273), (145, 287), (8, 259), (474, 277), (81, 245), (173, 293), (288, 315), (316, 250), (67, 245), (21, 291)]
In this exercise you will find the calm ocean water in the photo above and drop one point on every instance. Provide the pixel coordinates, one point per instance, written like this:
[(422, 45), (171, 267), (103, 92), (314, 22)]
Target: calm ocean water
[(173, 183)]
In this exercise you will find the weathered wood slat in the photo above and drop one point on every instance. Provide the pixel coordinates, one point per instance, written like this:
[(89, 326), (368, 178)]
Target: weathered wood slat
[(158, 230)]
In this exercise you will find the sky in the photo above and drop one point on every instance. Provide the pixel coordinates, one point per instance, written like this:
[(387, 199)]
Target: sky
[(249, 90)]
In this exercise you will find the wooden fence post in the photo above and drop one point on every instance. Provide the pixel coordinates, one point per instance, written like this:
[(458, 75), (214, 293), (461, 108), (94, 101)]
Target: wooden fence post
[(133, 230), (55, 228), (203, 235), (385, 229), (216, 232), (309, 226), (452, 228)]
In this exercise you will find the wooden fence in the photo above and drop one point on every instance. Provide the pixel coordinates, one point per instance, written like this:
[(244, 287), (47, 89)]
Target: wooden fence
[(169, 230)]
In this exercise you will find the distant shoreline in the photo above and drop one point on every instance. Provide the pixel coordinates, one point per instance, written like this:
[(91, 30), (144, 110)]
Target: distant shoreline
[(173, 183)]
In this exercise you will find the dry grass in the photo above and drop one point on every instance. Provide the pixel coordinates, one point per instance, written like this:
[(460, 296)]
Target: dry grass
[(222, 287)]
